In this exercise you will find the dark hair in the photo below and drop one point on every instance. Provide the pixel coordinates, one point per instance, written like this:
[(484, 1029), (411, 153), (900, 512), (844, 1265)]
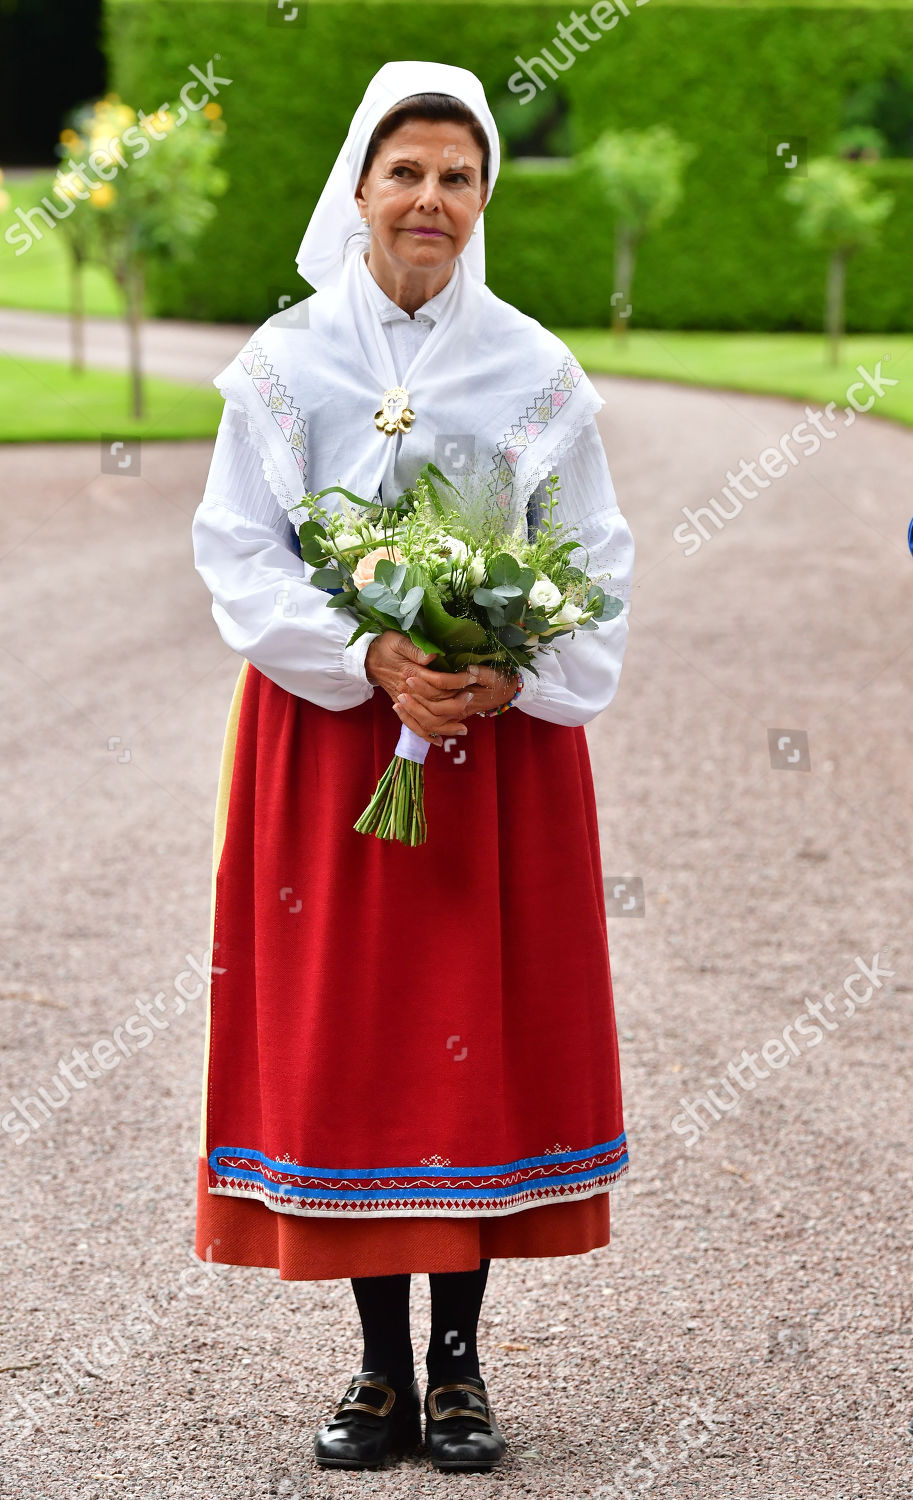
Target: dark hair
[(427, 107)]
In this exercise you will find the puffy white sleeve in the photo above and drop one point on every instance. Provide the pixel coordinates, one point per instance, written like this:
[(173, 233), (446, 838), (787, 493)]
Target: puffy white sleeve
[(579, 676), (246, 551)]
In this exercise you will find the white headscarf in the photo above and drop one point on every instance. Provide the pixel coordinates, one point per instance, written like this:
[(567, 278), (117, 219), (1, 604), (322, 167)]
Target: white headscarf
[(312, 378), (335, 229)]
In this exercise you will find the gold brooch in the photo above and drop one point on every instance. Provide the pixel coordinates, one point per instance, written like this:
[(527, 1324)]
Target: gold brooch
[(395, 414)]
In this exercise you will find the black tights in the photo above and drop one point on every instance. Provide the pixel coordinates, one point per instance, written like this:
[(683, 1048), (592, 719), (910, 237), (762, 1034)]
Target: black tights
[(456, 1300)]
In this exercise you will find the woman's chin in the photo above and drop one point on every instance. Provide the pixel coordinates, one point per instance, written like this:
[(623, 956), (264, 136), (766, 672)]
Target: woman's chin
[(421, 252)]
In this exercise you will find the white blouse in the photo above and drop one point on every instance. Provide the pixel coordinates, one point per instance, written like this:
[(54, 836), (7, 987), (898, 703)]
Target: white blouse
[(246, 551)]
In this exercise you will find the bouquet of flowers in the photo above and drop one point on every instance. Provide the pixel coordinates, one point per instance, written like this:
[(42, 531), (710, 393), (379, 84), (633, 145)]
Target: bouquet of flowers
[(453, 579)]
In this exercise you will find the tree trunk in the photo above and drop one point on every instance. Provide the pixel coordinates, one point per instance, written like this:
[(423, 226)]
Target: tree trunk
[(134, 290), (836, 289), (624, 276), (77, 314)]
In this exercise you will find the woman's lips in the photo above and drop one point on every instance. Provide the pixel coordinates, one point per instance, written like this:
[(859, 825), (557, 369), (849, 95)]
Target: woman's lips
[(427, 234)]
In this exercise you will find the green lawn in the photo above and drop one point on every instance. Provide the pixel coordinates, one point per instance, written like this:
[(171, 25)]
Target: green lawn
[(38, 278), (781, 364), (41, 401)]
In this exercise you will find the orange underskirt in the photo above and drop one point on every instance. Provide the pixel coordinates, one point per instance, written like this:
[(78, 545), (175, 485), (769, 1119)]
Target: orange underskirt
[(243, 1232)]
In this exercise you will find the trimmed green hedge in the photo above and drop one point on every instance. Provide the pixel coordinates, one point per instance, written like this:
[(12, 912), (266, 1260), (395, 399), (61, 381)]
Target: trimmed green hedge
[(728, 80)]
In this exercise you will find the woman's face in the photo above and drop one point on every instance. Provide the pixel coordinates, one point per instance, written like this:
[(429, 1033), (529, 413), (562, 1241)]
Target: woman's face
[(424, 193)]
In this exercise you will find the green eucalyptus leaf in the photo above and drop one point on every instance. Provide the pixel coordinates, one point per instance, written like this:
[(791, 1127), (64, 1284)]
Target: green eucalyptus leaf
[(513, 608), (503, 569), (613, 606), (414, 598), (327, 578), (512, 635)]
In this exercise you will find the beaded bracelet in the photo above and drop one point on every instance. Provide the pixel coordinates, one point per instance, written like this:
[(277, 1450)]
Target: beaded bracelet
[(489, 713)]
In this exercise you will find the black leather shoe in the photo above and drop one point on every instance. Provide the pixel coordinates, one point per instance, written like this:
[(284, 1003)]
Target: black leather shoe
[(373, 1422), (460, 1427)]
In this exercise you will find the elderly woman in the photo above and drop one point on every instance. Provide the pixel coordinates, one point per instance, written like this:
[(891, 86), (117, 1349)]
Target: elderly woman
[(411, 1060)]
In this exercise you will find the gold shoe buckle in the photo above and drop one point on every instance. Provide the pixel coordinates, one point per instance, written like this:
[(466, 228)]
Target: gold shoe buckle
[(376, 1411), (458, 1411)]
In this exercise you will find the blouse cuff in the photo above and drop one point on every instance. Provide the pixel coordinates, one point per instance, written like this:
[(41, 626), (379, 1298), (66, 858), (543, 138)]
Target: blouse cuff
[(353, 659), (532, 687)]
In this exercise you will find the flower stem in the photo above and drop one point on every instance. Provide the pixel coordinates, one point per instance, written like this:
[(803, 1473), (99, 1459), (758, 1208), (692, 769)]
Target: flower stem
[(397, 809)]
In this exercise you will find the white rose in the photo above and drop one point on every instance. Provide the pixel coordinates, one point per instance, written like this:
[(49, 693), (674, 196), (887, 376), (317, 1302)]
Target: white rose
[(543, 595), (569, 614)]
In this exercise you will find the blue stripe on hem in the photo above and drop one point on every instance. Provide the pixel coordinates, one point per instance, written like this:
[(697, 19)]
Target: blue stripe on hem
[(416, 1194)]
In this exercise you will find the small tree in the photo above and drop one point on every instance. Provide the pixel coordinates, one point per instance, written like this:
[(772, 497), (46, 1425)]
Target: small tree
[(638, 175), (156, 206), (840, 210)]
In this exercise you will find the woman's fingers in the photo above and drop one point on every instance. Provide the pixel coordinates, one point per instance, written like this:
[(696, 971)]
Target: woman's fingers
[(414, 687), (423, 721), (443, 682)]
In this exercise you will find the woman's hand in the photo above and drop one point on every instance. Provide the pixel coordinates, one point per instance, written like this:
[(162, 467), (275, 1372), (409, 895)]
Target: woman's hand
[(489, 690), (433, 704)]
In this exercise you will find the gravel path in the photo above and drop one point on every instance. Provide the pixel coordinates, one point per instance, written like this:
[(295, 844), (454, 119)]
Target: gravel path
[(748, 1331), (179, 351)]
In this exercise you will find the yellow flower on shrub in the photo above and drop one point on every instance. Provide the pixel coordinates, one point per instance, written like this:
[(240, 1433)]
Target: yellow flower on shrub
[(162, 120), (212, 110), (68, 185), (99, 146), (114, 115), (102, 194), (71, 140)]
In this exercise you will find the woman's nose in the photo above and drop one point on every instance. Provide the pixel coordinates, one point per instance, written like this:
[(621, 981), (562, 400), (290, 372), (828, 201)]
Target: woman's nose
[(429, 197)]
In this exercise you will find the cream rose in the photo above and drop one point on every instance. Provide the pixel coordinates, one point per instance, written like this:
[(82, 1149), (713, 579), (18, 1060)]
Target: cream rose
[(364, 573)]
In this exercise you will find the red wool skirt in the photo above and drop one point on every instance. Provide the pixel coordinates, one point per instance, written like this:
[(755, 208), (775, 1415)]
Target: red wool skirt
[(411, 1055)]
